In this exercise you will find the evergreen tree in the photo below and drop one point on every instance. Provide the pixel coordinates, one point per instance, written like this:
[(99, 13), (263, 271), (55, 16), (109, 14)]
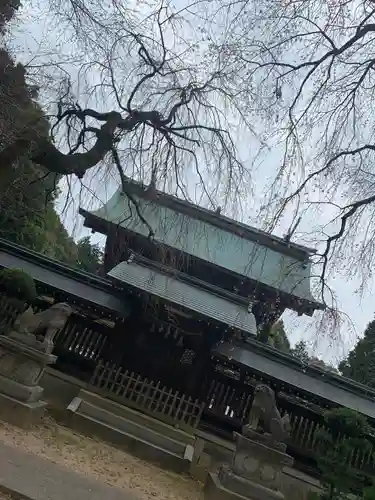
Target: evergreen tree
[(90, 257), (7, 10), (360, 363), (300, 351), (344, 432), (27, 191)]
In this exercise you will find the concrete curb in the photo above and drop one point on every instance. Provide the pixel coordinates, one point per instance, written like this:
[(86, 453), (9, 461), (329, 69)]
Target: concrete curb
[(25, 476), (16, 495)]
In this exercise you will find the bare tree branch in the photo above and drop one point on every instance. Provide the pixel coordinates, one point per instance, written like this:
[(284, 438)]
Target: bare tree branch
[(165, 111), (306, 70)]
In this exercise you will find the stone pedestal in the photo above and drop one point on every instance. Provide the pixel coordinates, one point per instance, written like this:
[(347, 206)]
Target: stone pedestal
[(22, 363), (255, 472)]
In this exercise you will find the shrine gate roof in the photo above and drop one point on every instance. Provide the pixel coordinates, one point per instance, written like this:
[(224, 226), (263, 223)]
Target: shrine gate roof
[(299, 376), (191, 297), (214, 238), (55, 275)]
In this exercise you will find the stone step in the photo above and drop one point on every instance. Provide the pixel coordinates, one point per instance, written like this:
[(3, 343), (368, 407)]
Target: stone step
[(214, 490), (94, 421), (137, 417), (21, 413), (126, 426)]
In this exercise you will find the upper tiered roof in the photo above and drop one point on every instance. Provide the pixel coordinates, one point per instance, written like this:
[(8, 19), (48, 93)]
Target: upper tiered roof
[(210, 236)]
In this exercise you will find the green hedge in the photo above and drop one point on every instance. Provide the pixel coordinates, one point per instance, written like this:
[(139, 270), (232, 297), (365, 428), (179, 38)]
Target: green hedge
[(17, 284)]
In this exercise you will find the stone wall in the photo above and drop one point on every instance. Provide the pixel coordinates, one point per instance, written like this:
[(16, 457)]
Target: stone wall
[(60, 389), (296, 485)]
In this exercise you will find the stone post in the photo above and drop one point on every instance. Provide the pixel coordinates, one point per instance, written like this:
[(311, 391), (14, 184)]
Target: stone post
[(22, 362), (24, 355), (256, 470)]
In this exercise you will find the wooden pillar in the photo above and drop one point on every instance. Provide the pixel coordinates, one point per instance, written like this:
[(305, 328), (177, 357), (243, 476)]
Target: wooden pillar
[(193, 375), (118, 342), (115, 249)]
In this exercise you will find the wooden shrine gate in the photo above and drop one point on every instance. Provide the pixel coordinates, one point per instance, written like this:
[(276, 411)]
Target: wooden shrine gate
[(84, 348)]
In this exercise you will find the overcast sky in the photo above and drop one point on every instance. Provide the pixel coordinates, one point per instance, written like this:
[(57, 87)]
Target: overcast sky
[(33, 33)]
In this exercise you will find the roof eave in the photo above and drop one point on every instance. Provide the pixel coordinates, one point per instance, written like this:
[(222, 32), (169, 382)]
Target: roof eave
[(300, 252)]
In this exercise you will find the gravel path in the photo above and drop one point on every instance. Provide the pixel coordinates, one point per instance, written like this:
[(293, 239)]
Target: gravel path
[(92, 457), (4, 496)]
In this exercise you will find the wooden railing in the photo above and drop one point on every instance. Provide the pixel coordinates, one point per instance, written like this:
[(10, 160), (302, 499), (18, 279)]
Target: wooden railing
[(9, 310), (229, 402), (79, 346), (8, 314), (147, 396)]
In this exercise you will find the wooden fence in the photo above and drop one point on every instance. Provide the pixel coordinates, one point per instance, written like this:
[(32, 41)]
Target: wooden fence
[(147, 396)]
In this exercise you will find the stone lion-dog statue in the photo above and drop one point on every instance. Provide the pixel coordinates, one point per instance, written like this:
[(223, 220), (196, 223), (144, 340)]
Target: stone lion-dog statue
[(265, 416), (44, 325)]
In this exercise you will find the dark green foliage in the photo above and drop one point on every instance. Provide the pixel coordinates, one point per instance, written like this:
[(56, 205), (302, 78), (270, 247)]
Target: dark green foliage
[(28, 217), (27, 193), (345, 432), (360, 363), (90, 257), (15, 283), (369, 493), (7, 10), (300, 351)]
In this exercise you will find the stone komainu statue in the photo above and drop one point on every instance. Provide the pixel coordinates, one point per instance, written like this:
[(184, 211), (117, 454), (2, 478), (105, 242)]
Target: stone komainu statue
[(45, 324), (265, 416)]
